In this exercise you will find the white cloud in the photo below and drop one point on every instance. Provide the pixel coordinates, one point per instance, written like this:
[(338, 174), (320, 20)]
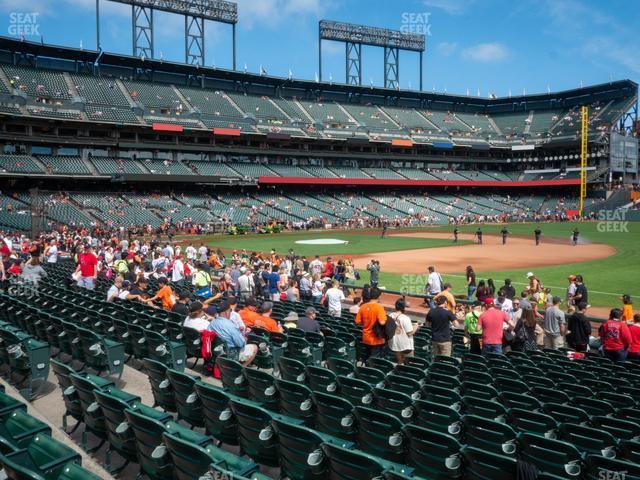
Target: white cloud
[(452, 7), (274, 13), (486, 52), (447, 48)]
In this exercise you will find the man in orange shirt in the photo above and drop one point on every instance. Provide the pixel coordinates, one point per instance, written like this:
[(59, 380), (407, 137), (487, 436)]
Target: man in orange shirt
[(248, 313), (369, 314), (164, 294), (265, 321), (446, 293)]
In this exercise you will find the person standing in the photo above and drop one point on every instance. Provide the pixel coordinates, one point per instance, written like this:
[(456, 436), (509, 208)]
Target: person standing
[(504, 233), (579, 329), (384, 230), (51, 252), (525, 338), (471, 282), (634, 330), (571, 291), (574, 236), (555, 325), (434, 285), (374, 271), (582, 294), (478, 236), (492, 323), (442, 321), (471, 328), (448, 296), (615, 337), (455, 235), (334, 298), (401, 344), (87, 268), (537, 233), (370, 314)]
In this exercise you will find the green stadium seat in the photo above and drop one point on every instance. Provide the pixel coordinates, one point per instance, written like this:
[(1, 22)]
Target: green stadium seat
[(188, 403), (620, 429), (379, 433), (525, 420), (218, 417), (100, 353), (73, 471), (300, 454), (435, 416), (294, 400), (340, 366), (373, 376), (43, 458), (320, 379), (161, 388), (17, 428), (347, 464), (172, 354), (262, 388), (394, 402), (292, 370), (517, 400), (191, 461), (356, 391), (598, 467), (483, 465), (490, 409), (489, 435), (554, 457), (232, 377), (565, 413), (400, 383), (92, 414), (442, 395), (588, 440), (433, 454), (333, 415), (382, 364), (73, 408)]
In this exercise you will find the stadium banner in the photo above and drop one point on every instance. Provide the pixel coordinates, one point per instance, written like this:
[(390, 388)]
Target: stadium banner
[(518, 148), (167, 127), (415, 183), (227, 132), (399, 142), (447, 145)]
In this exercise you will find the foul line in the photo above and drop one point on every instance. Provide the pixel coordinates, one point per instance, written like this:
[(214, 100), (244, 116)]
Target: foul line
[(548, 286)]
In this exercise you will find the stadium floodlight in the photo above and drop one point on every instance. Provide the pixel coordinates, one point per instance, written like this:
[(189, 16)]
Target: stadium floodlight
[(216, 10), (196, 12), (354, 36)]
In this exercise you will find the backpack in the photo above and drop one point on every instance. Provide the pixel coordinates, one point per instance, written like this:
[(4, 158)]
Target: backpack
[(386, 331)]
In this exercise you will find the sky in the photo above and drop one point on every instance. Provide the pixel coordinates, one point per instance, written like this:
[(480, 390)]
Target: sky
[(472, 46)]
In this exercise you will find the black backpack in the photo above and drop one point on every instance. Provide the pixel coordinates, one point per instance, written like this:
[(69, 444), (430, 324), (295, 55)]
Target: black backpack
[(386, 331)]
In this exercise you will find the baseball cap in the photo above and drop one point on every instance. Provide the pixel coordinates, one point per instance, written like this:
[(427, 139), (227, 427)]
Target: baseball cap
[(211, 310), (530, 274), (488, 301), (223, 306), (310, 310), (556, 299), (572, 277)]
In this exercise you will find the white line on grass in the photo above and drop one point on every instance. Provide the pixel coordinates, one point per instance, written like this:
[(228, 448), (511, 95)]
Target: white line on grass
[(549, 286)]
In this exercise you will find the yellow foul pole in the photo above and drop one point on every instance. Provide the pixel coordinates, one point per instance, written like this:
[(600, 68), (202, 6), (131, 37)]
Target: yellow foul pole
[(583, 156)]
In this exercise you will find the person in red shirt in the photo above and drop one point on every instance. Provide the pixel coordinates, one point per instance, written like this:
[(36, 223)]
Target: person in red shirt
[(87, 267), (615, 337), (492, 322), (634, 348)]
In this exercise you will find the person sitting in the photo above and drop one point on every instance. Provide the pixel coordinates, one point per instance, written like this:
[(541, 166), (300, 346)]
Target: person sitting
[(249, 313), (308, 323), (265, 321), (197, 319), (228, 331)]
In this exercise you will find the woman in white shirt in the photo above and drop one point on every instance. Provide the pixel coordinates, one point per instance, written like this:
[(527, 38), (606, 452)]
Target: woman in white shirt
[(401, 344), (317, 288)]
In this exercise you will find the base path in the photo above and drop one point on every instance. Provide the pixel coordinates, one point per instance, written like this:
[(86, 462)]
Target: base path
[(519, 252)]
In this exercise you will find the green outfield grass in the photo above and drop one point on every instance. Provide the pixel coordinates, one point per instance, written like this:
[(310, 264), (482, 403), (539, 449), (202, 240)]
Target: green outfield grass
[(359, 243), (606, 279)]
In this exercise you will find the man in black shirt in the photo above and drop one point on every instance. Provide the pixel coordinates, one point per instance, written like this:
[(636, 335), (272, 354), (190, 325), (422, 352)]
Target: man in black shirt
[(537, 232), (455, 235), (504, 233), (581, 295), (140, 289), (441, 320), (308, 323), (479, 236), (579, 329), (507, 289), (182, 304)]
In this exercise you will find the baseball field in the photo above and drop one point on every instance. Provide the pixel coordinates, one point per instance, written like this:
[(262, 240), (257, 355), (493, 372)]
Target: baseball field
[(607, 255)]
